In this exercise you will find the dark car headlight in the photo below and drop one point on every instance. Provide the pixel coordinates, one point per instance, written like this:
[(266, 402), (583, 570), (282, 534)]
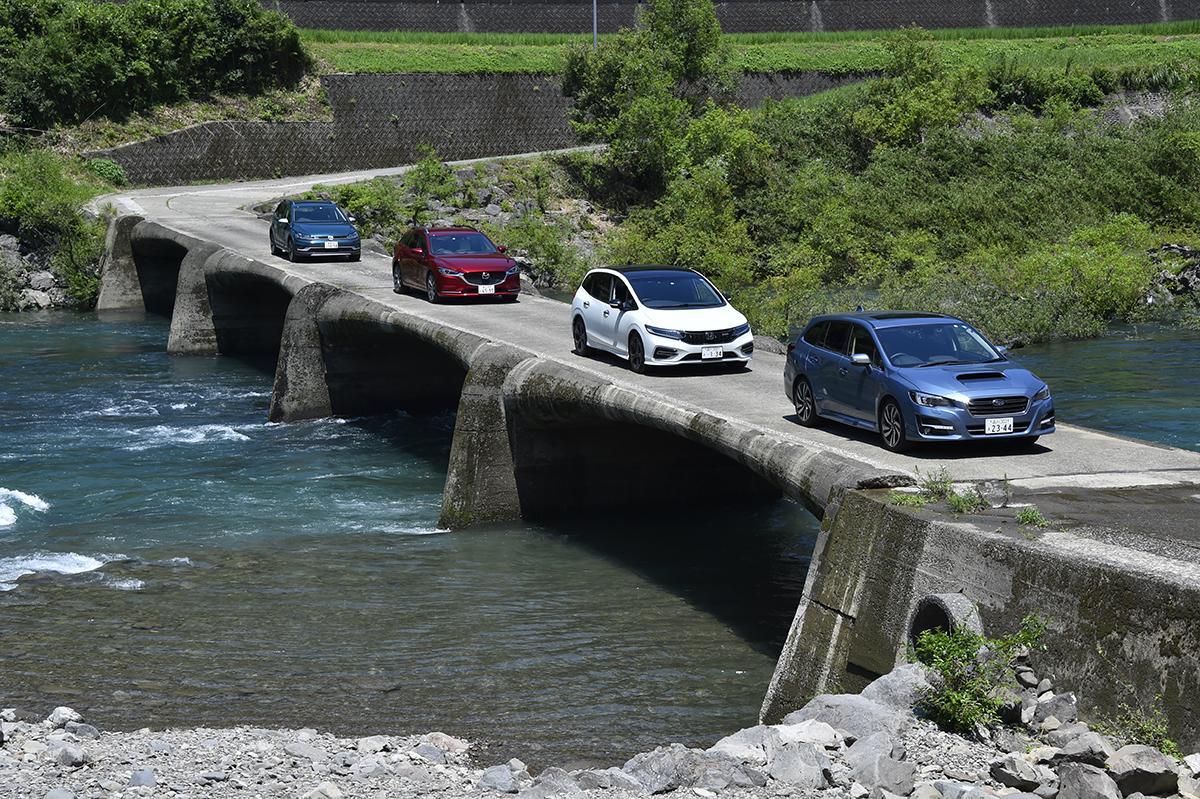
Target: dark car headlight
[(513, 270), (931, 400), (663, 332), (1043, 394), (449, 272), (741, 330)]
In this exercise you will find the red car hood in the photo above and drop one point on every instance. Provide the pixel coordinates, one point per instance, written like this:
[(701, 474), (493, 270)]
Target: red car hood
[(475, 263)]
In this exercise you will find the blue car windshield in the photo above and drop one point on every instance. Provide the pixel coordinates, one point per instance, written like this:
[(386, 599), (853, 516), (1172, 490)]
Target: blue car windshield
[(319, 213), (935, 344), (671, 289), (465, 243)]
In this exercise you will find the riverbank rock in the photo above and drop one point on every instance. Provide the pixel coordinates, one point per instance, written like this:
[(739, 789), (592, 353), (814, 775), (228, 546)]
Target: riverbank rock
[(852, 715), (60, 716), (1081, 781), (1143, 769)]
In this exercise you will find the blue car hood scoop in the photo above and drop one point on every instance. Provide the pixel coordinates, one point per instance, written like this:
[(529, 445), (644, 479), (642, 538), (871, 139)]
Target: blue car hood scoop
[(971, 377)]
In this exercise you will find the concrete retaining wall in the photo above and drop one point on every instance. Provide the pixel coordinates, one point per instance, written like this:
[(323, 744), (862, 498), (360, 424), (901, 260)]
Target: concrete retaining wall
[(383, 120), (1124, 625), (735, 15)]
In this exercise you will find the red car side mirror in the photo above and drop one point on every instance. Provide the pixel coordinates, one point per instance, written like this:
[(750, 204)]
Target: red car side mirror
[(418, 251), (502, 248)]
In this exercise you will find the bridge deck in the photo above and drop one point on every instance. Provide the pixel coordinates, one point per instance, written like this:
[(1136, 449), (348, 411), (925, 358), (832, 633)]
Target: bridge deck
[(1071, 458)]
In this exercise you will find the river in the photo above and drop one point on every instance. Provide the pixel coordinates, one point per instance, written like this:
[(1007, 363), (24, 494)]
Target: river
[(169, 558)]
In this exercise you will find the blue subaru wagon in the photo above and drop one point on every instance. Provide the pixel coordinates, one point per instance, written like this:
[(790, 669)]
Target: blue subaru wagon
[(913, 377)]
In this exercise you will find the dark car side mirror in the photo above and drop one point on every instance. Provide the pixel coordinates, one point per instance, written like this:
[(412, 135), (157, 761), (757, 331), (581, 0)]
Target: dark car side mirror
[(502, 248), (1003, 350), (623, 305)]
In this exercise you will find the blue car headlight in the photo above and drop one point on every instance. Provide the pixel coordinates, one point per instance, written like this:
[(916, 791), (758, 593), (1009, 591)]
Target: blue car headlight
[(663, 332), (1043, 394), (931, 400)]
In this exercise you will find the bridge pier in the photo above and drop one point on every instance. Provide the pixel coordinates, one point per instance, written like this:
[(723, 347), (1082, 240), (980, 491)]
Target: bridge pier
[(481, 481), (300, 390), (120, 288), (192, 329)]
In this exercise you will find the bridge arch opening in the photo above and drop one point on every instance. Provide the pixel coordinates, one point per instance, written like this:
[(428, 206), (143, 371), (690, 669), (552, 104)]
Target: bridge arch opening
[(248, 313), (373, 367), (157, 262)]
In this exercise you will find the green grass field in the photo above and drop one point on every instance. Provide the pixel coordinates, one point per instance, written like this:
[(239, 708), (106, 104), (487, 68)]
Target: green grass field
[(841, 52)]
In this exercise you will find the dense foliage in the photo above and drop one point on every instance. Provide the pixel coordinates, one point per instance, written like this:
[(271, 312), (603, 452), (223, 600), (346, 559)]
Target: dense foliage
[(996, 193), (63, 61), (41, 194), (972, 668)]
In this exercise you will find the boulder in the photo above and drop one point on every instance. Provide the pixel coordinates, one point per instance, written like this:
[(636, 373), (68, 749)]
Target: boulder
[(810, 732), (607, 779), (42, 280), (878, 745), (901, 689), (430, 753), (750, 745), (769, 344), (852, 715), (499, 778), (304, 751), (68, 755), (1026, 677), (1061, 706), (1014, 771), (81, 730), (926, 790), (675, 766), (887, 774), (1081, 781), (447, 743), (31, 298), (58, 793), (59, 717), (1091, 748), (1143, 769), (9, 243), (1192, 763), (802, 764), (1066, 733), (373, 743), (553, 783)]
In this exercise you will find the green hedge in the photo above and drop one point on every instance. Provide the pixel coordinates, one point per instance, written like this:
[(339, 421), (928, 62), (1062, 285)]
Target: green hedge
[(63, 61)]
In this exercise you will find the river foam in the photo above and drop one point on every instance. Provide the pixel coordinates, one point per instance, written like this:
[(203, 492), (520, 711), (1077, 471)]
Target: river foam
[(11, 499), (12, 569), (165, 435)]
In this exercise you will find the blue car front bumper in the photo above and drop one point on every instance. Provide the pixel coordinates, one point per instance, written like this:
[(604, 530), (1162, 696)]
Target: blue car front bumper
[(959, 424)]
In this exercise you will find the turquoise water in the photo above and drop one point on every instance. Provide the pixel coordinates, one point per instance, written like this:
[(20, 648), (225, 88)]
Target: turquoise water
[(1138, 381), (169, 558)]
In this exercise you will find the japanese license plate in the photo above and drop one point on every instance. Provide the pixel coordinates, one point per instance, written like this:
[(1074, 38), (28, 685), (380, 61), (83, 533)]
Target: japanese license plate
[(994, 426), (712, 353), (487, 289), (331, 245)]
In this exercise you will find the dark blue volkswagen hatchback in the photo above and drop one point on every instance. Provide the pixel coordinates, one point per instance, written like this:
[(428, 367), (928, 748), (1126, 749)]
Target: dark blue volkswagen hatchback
[(308, 228), (913, 377)]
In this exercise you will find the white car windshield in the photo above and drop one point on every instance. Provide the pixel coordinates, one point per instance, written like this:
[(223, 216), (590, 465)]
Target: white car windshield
[(935, 345), (668, 289)]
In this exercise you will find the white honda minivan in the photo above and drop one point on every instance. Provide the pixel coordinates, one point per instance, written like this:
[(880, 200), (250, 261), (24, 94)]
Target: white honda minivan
[(658, 316)]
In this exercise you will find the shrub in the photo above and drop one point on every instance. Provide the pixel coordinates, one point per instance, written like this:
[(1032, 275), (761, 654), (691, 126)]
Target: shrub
[(971, 668), (107, 170), (967, 501), (62, 61), (1142, 726)]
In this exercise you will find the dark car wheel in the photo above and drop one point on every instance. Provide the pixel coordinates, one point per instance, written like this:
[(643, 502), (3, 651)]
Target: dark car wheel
[(292, 255), (579, 334), (637, 354), (271, 241), (509, 298), (891, 427), (806, 404), (431, 292), (397, 283)]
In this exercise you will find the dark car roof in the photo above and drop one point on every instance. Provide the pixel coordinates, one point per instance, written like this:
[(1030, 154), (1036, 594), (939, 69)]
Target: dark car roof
[(313, 202), (878, 319)]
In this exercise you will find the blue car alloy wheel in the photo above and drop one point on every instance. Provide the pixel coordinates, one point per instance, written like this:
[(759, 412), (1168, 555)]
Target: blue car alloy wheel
[(913, 377)]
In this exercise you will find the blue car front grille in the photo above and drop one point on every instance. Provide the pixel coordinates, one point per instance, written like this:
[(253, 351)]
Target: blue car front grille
[(998, 406)]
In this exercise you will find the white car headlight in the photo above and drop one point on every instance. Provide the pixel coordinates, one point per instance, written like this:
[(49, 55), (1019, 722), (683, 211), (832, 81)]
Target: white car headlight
[(663, 332)]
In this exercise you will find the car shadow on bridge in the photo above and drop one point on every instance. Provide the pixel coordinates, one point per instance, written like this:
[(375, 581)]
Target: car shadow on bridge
[(944, 451), (743, 565)]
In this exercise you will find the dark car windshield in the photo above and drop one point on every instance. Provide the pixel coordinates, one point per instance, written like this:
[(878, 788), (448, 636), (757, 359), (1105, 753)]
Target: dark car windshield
[(668, 289), (319, 213), (464, 243), (931, 345)]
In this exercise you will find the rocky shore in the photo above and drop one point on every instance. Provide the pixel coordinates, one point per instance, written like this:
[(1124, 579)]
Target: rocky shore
[(873, 745), (26, 280)]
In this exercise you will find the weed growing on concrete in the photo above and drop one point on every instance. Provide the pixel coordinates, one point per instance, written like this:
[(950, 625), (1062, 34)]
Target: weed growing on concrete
[(972, 667), (937, 485), (1031, 516), (968, 501), (1144, 726), (909, 499)]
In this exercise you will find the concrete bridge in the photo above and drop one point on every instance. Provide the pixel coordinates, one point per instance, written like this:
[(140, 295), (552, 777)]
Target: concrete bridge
[(540, 433)]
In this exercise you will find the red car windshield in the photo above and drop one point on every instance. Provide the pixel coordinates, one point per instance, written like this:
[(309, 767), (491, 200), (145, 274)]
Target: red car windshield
[(464, 243)]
